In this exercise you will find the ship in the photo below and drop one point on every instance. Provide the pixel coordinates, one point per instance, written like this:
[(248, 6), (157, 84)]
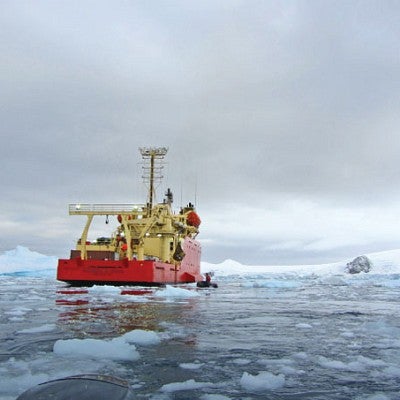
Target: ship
[(152, 245)]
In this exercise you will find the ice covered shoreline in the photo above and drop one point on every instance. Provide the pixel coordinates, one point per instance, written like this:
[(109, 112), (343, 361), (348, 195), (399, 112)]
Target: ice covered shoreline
[(23, 262)]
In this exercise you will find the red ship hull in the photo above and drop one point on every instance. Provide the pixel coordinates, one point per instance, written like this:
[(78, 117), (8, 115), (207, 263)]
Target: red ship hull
[(78, 272)]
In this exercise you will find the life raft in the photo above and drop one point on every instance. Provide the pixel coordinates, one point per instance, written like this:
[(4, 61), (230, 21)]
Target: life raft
[(193, 219)]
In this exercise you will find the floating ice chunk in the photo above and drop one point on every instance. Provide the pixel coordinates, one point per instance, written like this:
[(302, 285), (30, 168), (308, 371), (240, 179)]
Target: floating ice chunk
[(115, 349), (275, 361), (192, 366), (171, 291), (285, 369), (120, 348), (347, 334), (104, 289), (191, 384), (355, 366), (301, 355), (302, 325), (39, 329), (142, 337), (283, 365), (263, 381)]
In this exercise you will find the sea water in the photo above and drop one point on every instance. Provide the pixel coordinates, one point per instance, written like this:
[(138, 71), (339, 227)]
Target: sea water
[(267, 336)]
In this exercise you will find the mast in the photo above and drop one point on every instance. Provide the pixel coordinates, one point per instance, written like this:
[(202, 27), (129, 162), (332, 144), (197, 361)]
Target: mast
[(152, 169)]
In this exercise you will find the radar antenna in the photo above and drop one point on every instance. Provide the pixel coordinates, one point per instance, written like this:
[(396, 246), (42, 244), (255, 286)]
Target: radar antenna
[(152, 169)]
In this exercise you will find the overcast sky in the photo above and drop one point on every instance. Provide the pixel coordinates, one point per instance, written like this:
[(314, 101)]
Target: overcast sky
[(281, 118)]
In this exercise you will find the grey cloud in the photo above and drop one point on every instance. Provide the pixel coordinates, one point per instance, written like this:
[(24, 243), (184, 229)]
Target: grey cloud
[(258, 102)]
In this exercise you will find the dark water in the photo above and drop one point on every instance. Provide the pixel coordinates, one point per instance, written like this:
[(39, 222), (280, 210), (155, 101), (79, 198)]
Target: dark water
[(330, 338)]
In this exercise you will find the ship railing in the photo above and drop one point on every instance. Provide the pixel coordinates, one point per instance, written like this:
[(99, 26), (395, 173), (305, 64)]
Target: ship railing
[(105, 209)]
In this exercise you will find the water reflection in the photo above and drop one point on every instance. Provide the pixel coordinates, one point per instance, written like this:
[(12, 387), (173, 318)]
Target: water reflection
[(85, 314)]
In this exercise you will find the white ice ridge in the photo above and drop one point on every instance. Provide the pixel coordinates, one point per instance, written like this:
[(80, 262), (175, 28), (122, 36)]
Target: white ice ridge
[(26, 262)]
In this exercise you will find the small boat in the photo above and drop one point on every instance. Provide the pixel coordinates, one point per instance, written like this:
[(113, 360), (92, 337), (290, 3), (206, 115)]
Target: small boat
[(205, 284), (151, 246)]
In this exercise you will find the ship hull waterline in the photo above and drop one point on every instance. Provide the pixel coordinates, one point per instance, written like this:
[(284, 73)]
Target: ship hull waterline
[(79, 272)]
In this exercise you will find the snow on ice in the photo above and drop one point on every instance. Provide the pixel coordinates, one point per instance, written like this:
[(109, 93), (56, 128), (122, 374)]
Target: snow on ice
[(141, 337), (191, 366), (114, 349), (191, 384), (262, 381), (175, 292)]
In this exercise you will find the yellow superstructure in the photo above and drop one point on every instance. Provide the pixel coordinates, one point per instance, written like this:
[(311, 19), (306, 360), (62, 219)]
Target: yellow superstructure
[(145, 231)]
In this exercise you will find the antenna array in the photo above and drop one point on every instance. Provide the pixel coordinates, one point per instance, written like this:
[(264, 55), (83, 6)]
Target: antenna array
[(152, 168)]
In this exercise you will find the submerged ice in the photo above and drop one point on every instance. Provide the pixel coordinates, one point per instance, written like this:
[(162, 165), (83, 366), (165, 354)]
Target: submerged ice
[(317, 333)]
